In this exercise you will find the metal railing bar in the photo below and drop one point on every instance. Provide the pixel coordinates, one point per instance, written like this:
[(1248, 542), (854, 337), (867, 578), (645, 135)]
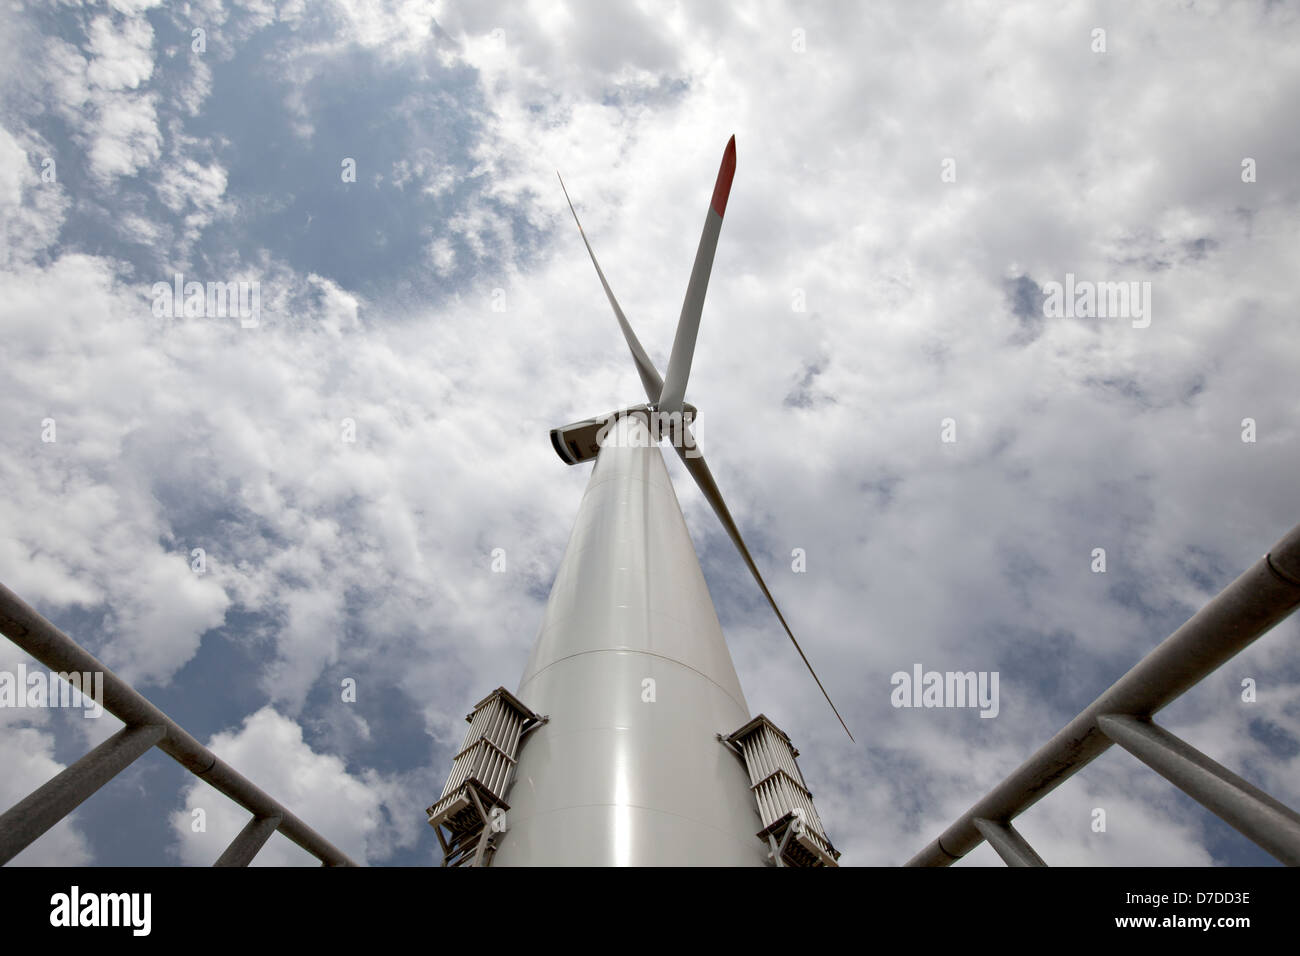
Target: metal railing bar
[(29, 818), (1251, 605), (1271, 824), (49, 645), (1008, 843), (245, 845)]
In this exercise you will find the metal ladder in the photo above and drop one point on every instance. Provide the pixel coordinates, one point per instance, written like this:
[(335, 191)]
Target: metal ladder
[(791, 827), (472, 808)]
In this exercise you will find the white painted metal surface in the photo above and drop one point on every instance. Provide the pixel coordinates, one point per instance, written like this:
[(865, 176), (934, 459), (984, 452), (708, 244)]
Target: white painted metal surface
[(629, 772)]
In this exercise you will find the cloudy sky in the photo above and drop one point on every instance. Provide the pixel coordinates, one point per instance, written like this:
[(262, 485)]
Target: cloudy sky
[(910, 179)]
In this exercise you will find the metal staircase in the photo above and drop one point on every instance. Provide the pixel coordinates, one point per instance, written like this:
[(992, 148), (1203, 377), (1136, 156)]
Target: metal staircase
[(472, 808), (791, 826)]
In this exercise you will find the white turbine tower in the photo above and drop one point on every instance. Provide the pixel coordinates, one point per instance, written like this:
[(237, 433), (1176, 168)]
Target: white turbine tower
[(640, 748)]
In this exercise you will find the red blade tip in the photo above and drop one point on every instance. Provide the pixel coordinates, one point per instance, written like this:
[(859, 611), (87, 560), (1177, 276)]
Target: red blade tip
[(725, 174)]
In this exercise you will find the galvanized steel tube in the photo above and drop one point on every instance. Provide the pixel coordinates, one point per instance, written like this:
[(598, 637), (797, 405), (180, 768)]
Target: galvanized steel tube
[(45, 642), (45, 806), (1247, 608), (1270, 823)]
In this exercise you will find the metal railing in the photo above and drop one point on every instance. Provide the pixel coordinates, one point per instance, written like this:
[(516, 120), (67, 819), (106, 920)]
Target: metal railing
[(146, 727), (1247, 608)]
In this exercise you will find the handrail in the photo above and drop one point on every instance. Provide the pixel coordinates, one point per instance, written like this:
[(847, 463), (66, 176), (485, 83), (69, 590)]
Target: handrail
[(146, 727), (1247, 608)]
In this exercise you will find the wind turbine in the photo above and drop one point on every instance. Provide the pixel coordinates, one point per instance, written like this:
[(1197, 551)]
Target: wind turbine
[(630, 692)]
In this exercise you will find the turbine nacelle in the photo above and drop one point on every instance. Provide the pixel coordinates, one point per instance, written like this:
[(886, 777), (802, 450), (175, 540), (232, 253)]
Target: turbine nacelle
[(580, 441)]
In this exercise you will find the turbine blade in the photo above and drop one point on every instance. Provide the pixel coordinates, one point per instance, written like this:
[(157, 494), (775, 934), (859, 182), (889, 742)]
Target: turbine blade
[(699, 470), (688, 325), (650, 379)]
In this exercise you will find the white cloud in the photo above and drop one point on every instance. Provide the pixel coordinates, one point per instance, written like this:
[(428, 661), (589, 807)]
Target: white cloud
[(132, 8), (110, 534), (188, 183), (120, 58), (196, 86), (126, 136), (442, 254), (14, 171), (269, 750), (31, 209), (101, 97)]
